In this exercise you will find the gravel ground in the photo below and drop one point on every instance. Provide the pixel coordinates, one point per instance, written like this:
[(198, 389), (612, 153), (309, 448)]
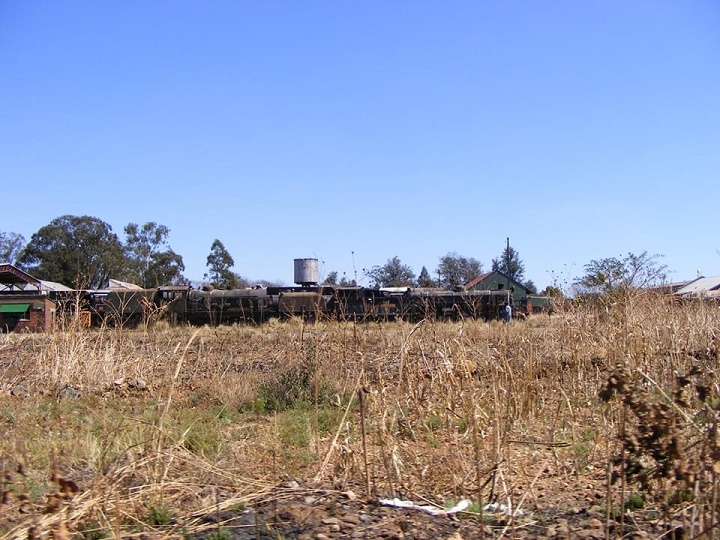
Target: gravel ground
[(313, 514)]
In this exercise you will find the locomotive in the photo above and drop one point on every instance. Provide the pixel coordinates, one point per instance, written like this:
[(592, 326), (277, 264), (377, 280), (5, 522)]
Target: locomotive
[(307, 300)]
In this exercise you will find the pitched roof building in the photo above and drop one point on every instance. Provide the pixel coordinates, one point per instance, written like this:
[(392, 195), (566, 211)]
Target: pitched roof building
[(498, 281), (707, 287)]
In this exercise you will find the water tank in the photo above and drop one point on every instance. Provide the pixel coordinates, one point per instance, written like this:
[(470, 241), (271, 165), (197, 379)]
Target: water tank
[(306, 271)]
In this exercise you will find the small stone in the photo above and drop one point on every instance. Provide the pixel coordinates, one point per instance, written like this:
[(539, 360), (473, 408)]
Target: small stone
[(321, 536), (19, 391), (331, 521), (292, 484), (68, 393), (595, 523), (335, 528), (138, 384), (351, 495), (248, 517)]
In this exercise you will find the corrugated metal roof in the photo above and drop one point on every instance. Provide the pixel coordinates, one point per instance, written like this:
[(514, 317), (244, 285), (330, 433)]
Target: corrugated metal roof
[(53, 286), (13, 276), (470, 284), (700, 286), (117, 284)]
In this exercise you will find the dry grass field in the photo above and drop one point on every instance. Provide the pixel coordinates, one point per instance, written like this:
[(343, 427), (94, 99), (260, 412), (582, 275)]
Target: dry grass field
[(597, 422)]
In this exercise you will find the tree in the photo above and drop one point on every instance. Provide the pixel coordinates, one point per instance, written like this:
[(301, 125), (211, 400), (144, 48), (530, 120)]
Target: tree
[(509, 263), (150, 260), (332, 278), (219, 263), (455, 270), (615, 274), (553, 292), (74, 250), (345, 282), (392, 274), (530, 286), (424, 279), (11, 245), (242, 282), (166, 268)]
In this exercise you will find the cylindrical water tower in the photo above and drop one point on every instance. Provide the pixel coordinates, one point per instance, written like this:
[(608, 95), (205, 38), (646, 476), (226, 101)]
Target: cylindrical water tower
[(306, 272)]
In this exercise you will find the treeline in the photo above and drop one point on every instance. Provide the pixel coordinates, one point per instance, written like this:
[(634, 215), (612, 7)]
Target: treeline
[(452, 271), (84, 252)]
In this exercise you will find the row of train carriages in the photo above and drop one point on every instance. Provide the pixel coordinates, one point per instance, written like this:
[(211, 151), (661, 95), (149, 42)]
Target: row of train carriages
[(307, 300), (311, 303), (30, 304)]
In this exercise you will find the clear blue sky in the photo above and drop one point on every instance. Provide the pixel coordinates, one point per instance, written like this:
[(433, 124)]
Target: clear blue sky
[(579, 129)]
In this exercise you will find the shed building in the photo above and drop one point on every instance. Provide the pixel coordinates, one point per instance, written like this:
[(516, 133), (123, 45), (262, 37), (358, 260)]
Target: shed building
[(25, 302), (495, 281)]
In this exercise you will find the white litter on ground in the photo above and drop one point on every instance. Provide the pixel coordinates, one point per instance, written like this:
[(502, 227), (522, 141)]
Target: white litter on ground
[(500, 508), (430, 509)]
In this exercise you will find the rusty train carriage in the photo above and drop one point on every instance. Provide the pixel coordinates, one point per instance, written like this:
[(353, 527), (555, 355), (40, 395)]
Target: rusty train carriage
[(25, 303), (257, 305)]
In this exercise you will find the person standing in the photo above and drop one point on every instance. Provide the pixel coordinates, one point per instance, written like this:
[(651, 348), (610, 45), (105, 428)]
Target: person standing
[(508, 312)]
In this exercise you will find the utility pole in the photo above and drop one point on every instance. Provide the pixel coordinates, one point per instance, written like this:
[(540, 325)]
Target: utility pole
[(507, 268), (354, 270)]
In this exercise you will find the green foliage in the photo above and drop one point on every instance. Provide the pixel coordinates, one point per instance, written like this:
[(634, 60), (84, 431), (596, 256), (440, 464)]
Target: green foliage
[(332, 278), (80, 251), (36, 489), (424, 279), (392, 274), (294, 428), (150, 262), (434, 422), (462, 425), (202, 439), (327, 419), (635, 501), (345, 282), (158, 514), (296, 385), (615, 274), (219, 263), (455, 270), (509, 263), (11, 245), (222, 534)]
